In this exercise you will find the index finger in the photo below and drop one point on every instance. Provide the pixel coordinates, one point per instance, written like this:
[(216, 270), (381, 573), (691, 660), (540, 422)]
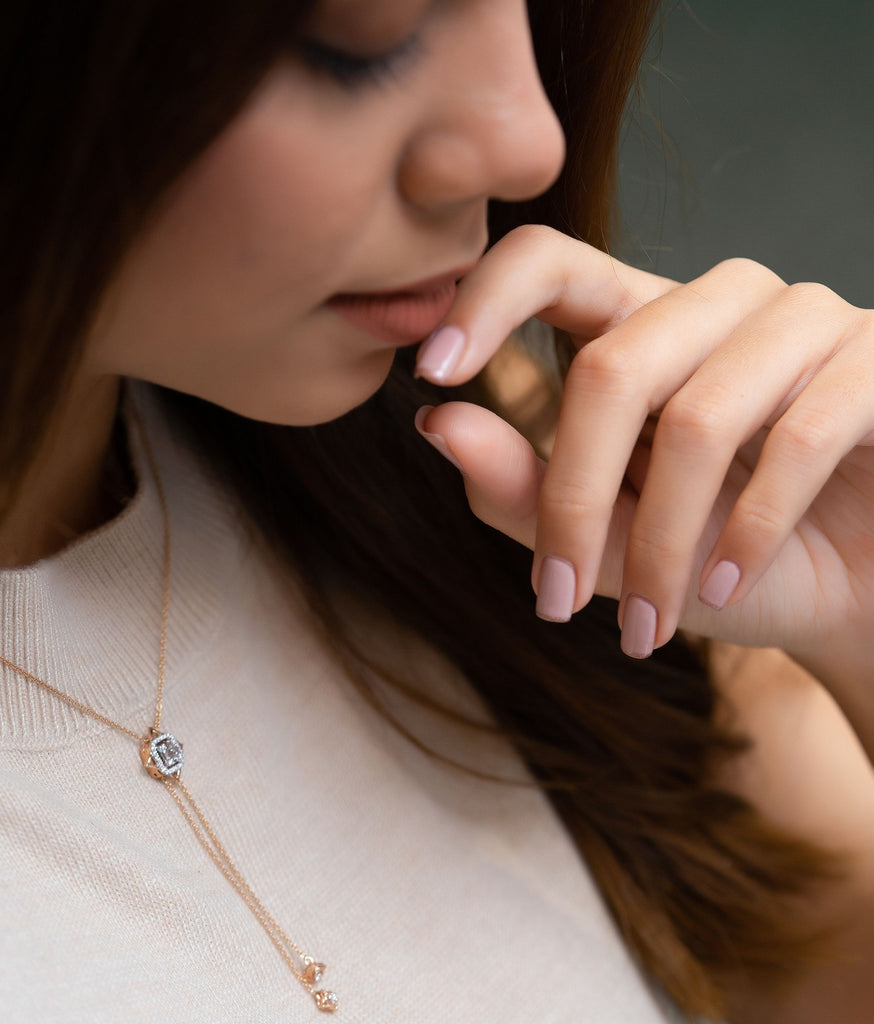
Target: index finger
[(533, 271)]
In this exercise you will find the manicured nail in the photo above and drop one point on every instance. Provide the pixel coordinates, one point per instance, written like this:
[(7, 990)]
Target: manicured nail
[(638, 627), (556, 589), (721, 583), (437, 440), (440, 354)]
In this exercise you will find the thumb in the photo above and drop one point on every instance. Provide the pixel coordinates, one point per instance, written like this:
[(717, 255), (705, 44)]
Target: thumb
[(503, 475), (502, 472)]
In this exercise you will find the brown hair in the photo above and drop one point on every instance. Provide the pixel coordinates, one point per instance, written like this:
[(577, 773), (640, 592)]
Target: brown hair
[(102, 109)]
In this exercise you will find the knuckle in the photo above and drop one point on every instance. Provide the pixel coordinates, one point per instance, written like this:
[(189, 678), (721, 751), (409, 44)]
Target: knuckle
[(811, 294), (486, 510), (741, 268), (529, 236), (482, 510), (608, 368), (757, 518), (656, 546), (804, 433), (822, 306), (486, 514), (695, 421), (571, 499), (740, 265), (481, 507)]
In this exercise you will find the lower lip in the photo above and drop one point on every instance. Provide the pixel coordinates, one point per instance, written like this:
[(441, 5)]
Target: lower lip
[(401, 319)]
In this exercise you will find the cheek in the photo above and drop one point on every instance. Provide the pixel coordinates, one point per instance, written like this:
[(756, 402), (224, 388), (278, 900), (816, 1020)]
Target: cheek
[(221, 295), (258, 218), (288, 199)]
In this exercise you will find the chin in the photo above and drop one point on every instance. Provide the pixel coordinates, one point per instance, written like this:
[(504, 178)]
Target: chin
[(319, 401)]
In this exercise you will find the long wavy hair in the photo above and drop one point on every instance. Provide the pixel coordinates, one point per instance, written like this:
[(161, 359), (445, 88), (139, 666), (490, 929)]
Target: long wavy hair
[(102, 106)]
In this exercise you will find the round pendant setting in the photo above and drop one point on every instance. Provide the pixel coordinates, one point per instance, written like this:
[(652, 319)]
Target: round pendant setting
[(161, 754)]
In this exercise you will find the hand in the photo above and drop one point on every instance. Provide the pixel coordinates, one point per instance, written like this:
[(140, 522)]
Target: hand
[(715, 446)]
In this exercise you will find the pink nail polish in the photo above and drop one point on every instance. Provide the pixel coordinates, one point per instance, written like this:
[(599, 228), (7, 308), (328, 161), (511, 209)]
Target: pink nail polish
[(440, 354), (437, 440), (721, 583), (638, 627), (556, 589)]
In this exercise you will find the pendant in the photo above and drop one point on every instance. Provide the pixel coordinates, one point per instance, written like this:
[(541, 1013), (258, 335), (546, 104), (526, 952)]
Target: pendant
[(312, 972), (161, 754), (326, 1001)]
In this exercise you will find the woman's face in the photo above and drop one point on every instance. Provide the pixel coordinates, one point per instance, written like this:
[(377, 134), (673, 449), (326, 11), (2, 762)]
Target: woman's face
[(342, 176)]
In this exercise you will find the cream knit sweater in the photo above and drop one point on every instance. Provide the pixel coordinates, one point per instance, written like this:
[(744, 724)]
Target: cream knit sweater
[(432, 897)]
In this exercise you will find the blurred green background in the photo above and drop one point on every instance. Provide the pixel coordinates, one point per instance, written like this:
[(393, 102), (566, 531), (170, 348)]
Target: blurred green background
[(754, 136)]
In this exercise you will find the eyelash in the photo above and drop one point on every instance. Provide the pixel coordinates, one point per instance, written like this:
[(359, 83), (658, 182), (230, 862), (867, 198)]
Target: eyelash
[(351, 70)]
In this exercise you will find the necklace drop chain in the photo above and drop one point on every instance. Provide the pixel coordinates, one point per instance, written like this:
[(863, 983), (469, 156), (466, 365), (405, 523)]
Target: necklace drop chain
[(162, 758)]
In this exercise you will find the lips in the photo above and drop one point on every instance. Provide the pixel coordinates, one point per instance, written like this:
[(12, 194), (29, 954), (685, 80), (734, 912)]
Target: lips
[(401, 317)]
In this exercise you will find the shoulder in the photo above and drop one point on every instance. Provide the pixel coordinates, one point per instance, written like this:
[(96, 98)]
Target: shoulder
[(807, 772)]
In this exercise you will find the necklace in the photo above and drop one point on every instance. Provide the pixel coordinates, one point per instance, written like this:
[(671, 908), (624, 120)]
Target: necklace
[(162, 758)]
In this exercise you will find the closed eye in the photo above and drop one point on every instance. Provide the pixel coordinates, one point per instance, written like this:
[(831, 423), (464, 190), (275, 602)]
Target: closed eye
[(352, 69)]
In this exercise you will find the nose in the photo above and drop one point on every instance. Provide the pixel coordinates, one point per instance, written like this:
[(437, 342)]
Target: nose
[(490, 132)]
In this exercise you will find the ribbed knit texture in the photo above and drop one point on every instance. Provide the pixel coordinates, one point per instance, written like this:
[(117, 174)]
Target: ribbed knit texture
[(432, 897)]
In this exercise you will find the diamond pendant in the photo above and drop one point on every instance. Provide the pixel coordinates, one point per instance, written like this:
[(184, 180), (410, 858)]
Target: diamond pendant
[(161, 754), (313, 971), (326, 1001), (312, 974)]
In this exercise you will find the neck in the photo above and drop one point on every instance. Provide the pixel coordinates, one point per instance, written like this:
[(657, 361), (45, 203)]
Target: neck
[(75, 483)]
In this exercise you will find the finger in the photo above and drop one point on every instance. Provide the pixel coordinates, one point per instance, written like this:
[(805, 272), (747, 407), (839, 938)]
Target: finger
[(502, 472), (612, 385), (503, 476), (724, 403), (832, 415), (532, 271)]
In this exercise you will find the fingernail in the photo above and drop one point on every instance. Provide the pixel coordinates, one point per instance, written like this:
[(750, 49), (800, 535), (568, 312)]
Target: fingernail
[(556, 589), (437, 440), (721, 582), (440, 354), (638, 627)]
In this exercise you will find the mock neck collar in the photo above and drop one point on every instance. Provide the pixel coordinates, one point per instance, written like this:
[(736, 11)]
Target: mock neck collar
[(87, 619)]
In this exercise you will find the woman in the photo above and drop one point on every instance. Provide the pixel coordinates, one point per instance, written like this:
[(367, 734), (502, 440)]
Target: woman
[(259, 209)]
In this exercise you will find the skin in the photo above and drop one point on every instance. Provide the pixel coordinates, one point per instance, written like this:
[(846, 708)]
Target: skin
[(749, 399), (752, 401), (224, 295)]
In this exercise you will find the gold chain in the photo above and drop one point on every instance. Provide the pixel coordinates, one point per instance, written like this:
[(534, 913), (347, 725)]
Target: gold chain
[(70, 700), (161, 755)]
